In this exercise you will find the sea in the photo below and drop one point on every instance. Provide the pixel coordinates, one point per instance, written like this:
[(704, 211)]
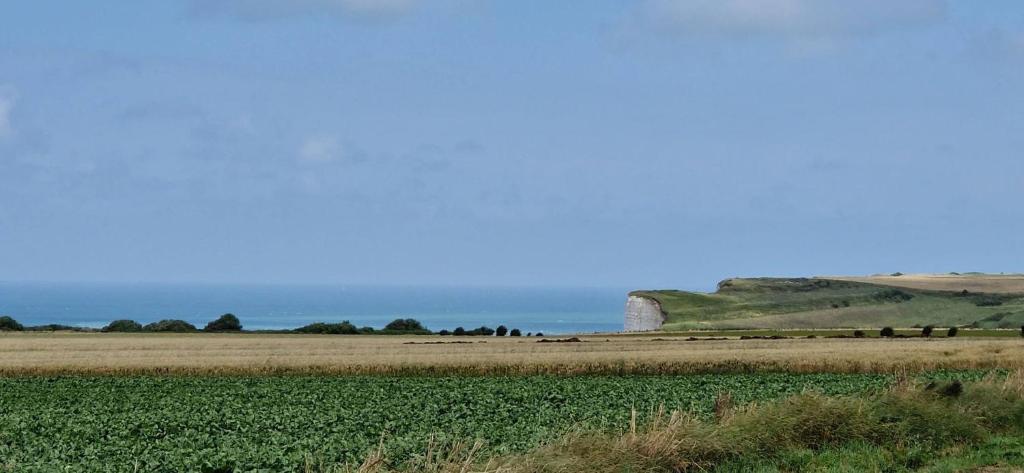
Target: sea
[(533, 309)]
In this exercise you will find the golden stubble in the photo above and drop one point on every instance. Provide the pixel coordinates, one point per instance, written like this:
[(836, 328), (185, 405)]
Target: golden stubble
[(99, 353)]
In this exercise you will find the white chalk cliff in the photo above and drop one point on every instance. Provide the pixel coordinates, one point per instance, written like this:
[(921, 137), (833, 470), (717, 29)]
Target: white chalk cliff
[(643, 314)]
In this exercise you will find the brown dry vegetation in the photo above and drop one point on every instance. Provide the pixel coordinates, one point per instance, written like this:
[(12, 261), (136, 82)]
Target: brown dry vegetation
[(95, 353), (1002, 284)]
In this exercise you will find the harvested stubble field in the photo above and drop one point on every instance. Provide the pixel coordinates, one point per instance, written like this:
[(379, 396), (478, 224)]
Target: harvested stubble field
[(984, 283), (218, 354)]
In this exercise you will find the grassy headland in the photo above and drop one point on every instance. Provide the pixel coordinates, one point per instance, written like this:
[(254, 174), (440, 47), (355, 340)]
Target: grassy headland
[(811, 303)]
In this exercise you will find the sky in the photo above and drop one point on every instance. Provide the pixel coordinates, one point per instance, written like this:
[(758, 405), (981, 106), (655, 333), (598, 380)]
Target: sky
[(643, 143)]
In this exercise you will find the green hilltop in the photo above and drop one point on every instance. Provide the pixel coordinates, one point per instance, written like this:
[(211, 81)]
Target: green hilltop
[(793, 303)]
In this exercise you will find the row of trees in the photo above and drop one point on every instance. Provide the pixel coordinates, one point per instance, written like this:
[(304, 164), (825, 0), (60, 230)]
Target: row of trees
[(397, 326), (501, 331), (927, 331), (224, 323), (230, 323)]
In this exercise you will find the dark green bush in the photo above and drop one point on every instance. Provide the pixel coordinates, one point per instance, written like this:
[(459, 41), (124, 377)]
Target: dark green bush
[(952, 332), (405, 325), (224, 323), (858, 334), (123, 325), (501, 331), (887, 332), (483, 330), (927, 331), (459, 331), (444, 332), (58, 327), (343, 328), (8, 324), (170, 325), (893, 295), (515, 333), (954, 389), (988, 301)]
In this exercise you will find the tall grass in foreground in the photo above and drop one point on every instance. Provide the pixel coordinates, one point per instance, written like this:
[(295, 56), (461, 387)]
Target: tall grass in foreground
[(905, 428)]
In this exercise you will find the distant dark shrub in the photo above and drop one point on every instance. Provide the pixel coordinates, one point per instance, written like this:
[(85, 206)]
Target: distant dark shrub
[(893, 295), (58, 327), (988, 301), (123, 325), (530, 334), (405, 325), (927, 331), (483, 330), (887, 332), (952, 332), (846, 303), (835, 306), (367, 330), (8, 324), (170, 325), (515, 333), (459, 331), (444, 332), (1022, 330), (858, 334), (539, 334), (897, 274), (501, 331), (224, 323), (343, 328)]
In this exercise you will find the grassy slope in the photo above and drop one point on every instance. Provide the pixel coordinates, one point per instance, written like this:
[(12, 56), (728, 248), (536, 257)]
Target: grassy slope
[(772, 303)]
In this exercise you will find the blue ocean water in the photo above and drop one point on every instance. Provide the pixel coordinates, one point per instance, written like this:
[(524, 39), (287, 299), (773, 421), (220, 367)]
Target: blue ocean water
[(548, 310)]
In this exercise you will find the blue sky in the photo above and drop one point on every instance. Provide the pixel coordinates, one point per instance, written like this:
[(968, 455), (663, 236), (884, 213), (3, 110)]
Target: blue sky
[(646, 143)]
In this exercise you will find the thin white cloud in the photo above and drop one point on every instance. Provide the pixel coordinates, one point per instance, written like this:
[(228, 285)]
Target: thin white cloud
[(275, 9), (321, 149), (7, 100), (791, 18)]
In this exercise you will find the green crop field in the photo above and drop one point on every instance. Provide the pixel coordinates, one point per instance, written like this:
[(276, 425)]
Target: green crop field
[(817, 303), (279, 423)]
